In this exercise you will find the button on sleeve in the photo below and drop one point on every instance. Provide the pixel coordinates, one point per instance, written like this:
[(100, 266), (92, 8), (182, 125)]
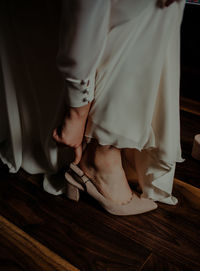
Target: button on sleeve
[(79, 92)]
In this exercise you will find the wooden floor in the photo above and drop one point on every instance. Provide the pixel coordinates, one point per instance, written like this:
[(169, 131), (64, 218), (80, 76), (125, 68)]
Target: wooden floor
[(42, 232)]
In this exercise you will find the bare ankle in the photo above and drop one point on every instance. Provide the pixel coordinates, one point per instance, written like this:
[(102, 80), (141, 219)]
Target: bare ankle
[(101, 157), (103, 165)]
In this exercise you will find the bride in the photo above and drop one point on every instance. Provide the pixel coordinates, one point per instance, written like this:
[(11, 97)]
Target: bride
[(120, 66)]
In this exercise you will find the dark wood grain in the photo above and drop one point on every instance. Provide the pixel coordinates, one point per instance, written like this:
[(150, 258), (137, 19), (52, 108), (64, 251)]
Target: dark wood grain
[(91, 239), (18, 251), (68, 228), (190, 106), (156, 263)]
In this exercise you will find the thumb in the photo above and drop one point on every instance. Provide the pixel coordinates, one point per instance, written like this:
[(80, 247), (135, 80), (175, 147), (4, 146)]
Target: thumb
[(78, 154)]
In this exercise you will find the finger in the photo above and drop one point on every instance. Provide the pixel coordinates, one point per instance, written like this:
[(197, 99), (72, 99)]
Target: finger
[(169, 2), (78, 154), (56, 137), (58, 130), (55, 132), (161, 3)]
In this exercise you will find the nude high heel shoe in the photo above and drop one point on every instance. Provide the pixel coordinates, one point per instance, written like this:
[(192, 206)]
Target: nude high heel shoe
[(77, 180)]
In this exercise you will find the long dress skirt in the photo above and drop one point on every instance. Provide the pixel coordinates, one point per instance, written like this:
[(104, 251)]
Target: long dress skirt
[(136, 104)]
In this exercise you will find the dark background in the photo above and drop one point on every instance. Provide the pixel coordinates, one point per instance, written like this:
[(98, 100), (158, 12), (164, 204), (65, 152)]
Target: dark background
[(190, 53)]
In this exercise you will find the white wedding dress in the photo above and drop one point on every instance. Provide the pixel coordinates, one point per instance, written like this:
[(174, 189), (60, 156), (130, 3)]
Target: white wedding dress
[(131, 57)]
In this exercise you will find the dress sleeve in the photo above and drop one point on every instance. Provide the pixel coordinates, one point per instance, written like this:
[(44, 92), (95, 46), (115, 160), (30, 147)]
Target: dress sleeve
[(83, 33)]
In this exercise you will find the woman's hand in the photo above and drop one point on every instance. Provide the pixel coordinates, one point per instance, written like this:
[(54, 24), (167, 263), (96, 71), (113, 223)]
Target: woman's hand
[(166, 3), (72, 129)]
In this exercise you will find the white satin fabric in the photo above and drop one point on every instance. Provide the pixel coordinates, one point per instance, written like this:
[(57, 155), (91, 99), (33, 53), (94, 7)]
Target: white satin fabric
[(134, 65)]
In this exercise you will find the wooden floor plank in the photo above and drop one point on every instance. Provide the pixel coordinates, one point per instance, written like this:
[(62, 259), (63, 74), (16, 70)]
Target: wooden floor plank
[(156, 263), (77, 232), (191, 192), (190, 106), (173, 233), (93, 240), (19, 251)]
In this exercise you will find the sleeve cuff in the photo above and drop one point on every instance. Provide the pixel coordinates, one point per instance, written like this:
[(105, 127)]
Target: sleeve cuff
[(79, 92)]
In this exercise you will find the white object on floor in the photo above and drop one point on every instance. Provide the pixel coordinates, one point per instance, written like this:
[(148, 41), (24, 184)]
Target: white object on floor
[(196, 147)]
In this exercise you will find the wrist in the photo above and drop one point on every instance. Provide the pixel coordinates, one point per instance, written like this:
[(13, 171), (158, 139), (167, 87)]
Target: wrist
[(79, 112)]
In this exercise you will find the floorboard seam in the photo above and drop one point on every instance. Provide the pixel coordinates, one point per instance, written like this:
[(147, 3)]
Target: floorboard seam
[(147, 259)]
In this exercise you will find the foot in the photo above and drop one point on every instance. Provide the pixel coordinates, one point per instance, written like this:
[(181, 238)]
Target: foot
[(103, 165)]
